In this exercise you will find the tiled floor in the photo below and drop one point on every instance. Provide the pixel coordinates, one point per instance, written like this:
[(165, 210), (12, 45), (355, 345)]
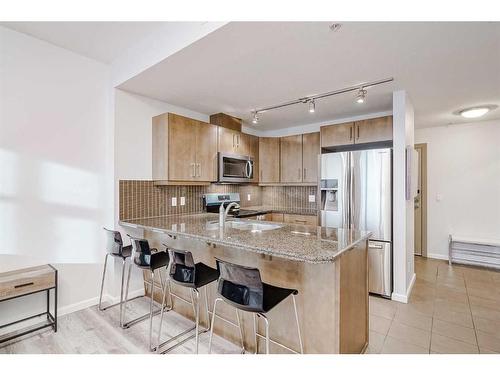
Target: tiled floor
[(451, 310)]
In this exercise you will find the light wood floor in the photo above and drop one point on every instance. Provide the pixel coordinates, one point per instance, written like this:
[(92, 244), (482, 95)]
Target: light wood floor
[(451, 310)]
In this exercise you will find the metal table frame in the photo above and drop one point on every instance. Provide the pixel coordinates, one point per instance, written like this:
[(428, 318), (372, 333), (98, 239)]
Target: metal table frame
[(51, 319)]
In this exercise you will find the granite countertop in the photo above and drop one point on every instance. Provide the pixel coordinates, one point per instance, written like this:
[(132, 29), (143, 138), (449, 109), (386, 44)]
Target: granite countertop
[(295, 242), (283, 210)]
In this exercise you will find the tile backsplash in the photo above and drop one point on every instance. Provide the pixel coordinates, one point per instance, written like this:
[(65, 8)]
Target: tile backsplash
[(139, 198)]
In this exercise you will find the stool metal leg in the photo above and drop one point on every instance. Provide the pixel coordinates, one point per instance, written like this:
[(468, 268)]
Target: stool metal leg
[(255, 333), (217, 300), (267, 332), (197, 319), (122, 316), (151, 311), (102, 282), (240, 328), (298, 326)]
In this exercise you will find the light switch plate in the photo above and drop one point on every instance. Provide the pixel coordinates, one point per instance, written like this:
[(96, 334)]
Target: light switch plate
[(183, 201), (312, 198), (249, 197), (174, 201)]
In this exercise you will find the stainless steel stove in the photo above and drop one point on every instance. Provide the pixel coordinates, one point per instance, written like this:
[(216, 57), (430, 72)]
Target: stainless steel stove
[(213, 201)]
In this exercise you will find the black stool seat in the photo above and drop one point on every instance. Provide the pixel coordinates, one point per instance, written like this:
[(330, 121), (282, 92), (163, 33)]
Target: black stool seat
[(273, 295), (156, 260), (204, 275), (126, 252)]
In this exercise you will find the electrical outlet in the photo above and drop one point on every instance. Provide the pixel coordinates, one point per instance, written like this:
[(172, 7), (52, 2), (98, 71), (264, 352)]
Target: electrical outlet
[(183, 201), (249, 197), (174, 201), (312, 198)]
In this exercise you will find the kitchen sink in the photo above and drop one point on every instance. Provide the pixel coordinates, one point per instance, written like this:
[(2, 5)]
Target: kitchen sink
[(250, 225)]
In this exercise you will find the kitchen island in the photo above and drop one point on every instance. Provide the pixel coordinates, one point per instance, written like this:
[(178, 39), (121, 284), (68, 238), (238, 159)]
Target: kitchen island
[(328, 266)]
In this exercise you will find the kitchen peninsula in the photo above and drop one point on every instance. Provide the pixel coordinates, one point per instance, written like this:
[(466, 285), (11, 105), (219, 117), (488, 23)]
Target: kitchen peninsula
[(328, 266)]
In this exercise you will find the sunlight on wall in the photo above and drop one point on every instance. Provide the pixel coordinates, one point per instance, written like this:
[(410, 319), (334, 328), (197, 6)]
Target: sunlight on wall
[(65, 185), (7, 227)]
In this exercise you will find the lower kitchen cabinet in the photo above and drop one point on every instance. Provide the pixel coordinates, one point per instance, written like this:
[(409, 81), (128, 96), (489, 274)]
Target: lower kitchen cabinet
[(300, 219)]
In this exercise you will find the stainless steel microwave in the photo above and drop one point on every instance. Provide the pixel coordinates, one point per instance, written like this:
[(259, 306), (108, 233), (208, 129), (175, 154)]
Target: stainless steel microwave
[(235, 168)]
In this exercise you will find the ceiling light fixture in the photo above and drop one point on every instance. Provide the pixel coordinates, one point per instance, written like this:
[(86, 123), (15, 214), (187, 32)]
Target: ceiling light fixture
[(335, 27), (311, 100), (255, 119), (360, 98), (312, 106), (474, 112)]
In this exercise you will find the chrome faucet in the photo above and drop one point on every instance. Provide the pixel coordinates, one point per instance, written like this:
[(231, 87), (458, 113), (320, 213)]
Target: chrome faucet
[(223, 212)]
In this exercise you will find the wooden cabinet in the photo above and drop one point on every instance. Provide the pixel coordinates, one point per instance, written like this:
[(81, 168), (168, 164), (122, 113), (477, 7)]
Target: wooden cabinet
[(299, 158), (184, 149), (373, 130), (359, 132), (233, 142), (277, 217), (310, 152), (337, 135), (269, 160), (300, 219), (291, 158), (253, 150)]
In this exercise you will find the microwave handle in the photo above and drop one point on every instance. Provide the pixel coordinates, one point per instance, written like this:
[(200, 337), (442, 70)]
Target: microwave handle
[(249, 168)]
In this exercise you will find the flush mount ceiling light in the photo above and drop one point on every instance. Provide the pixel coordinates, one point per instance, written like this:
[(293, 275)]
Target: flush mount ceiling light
[(360, 98), (311, 100), (475, 112), (335, 27)]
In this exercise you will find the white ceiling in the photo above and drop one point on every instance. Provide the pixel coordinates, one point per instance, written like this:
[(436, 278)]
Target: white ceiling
[(101, 41), (242, 66)]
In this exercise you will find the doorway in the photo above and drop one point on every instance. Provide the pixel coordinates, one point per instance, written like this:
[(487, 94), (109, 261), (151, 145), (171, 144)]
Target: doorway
[(420, 202)]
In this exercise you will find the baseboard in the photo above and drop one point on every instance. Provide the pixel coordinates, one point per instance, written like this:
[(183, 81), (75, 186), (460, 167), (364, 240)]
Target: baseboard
[(405, 297), (68, 309), (438, 256)]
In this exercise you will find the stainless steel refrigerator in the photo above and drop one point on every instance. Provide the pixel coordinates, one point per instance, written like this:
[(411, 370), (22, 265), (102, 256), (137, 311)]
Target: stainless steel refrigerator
[(356, 192)]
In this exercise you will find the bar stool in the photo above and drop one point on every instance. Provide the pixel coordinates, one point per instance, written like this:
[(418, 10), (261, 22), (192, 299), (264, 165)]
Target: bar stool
[(242, 287), (114, 248), (186, 273), (150, 259)]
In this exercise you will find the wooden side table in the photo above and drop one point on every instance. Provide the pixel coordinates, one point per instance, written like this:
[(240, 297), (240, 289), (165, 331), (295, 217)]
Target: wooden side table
[(26, 281)]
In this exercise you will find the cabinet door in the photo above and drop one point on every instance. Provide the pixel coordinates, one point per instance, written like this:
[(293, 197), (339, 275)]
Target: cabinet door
[(269, 160), (277, 217), (291, 158), (227, 140), (244, 144), (253, 151), (373, 130), (182, 148), (206, 152), (310, 152), (337, 135)]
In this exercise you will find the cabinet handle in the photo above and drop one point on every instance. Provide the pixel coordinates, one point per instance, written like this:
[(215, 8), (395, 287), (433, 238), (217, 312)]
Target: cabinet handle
[(237, 140), (305, 174), (299, 174), (199, 169), (261, 175), (358, 131), (350, 133), (233, 140), (23, 285), (300, 221), (193, 173)]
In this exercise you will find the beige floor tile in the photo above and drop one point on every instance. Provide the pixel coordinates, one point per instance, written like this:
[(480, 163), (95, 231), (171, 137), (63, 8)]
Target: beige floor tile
[(376, 343), (484, 302), (454, 331), (484, 292), (447, 345), (426, 276), (451, 294), (453, 306), (446, 271), (379, 324), (491, 327), (487, 341), (460, 318), (423, 307), (486, 313), (384, 308), (410, 335), (395, 346), (456, 284), (487, 351), (413, 318)]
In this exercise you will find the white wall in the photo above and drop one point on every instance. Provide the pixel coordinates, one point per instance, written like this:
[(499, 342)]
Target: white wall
[(54, 118), (403, 212), (463, 182)]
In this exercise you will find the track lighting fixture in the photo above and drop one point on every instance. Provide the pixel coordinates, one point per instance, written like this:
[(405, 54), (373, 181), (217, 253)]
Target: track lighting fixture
[(312, 106), (311, 100), (360, 98)]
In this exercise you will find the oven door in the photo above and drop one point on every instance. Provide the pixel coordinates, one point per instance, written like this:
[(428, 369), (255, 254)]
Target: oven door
[(235, 168)]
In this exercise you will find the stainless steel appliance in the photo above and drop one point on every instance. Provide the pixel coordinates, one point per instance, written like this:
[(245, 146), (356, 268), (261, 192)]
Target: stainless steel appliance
[(235, 168), (212, 202), (356, 192)]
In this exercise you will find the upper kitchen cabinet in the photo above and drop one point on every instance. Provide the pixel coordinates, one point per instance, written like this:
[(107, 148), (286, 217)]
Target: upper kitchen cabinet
[(359, 132), (230, 139), (269, 160), (310, 152), (337, 135), (184, 149), (373, 130), (291, 158)]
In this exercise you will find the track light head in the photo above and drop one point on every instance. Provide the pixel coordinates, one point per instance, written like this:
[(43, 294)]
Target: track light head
[(255, 119), (312, 106), (360, 98)]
